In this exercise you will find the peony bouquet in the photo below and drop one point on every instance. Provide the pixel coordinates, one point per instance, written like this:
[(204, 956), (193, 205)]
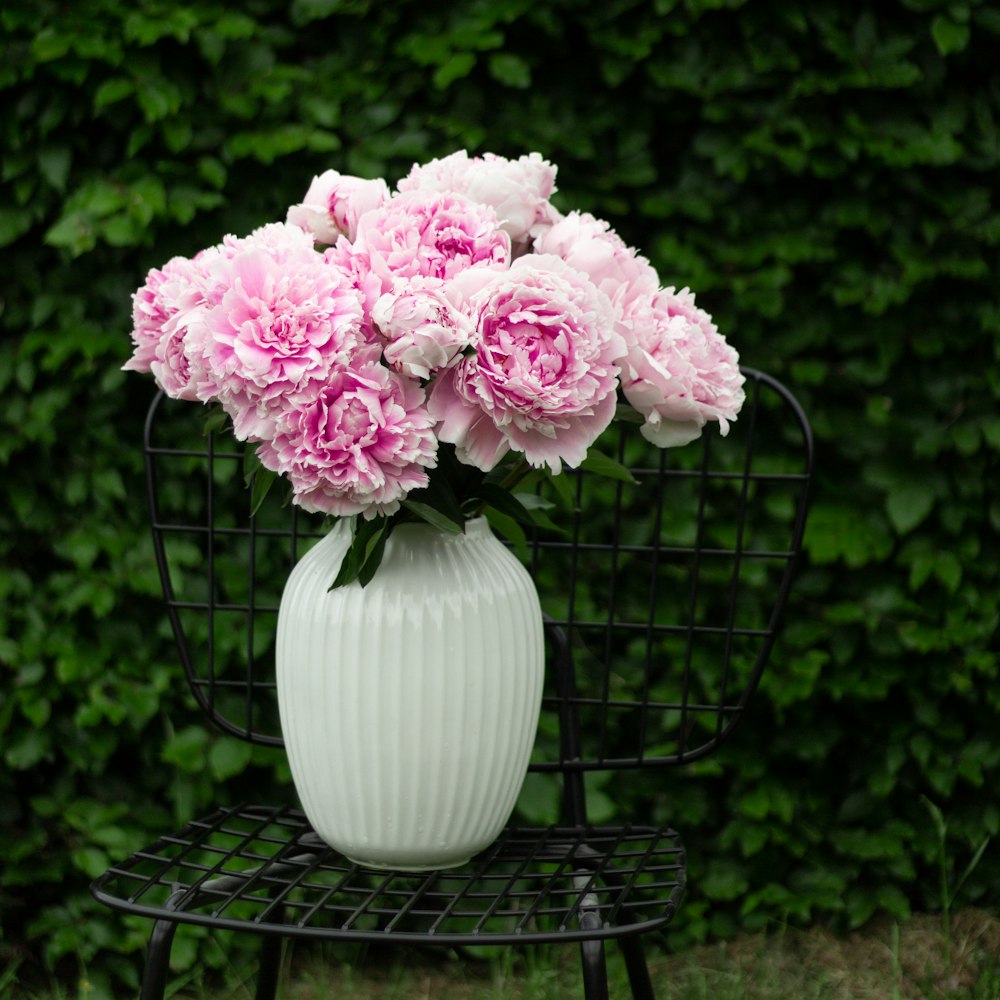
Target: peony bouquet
[(414, 353)]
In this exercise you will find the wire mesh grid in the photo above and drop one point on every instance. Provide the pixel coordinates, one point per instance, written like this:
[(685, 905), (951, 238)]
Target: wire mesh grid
[(664, 591), (265, 869)]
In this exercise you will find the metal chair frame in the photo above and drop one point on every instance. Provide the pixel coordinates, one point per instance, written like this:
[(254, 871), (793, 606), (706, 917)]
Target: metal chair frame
[(713, 568)]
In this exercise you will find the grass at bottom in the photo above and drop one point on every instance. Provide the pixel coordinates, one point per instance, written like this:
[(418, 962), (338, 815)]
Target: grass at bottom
[(884, 961)]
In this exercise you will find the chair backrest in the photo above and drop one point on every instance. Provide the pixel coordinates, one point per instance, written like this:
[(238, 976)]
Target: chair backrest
[(663, 595)]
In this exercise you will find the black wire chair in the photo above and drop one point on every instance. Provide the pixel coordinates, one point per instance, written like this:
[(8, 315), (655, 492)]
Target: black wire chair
[(662, 599)]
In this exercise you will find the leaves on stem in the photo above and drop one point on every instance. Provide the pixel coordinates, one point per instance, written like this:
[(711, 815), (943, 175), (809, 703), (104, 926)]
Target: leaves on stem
[(434, 516), (258, 478), (505, 502), (364, 554), (603, 465), (215, 421)]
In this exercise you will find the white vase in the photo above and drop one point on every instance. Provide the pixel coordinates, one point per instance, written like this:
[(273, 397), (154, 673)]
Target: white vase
[(409, 707)]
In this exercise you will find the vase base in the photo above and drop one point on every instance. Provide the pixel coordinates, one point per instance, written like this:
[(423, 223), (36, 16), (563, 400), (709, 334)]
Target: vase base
[(406, 866)]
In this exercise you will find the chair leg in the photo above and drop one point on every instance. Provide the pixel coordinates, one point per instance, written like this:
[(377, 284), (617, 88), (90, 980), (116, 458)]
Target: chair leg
[(638, 970), (270, 965), (595, 970), (154, 976)]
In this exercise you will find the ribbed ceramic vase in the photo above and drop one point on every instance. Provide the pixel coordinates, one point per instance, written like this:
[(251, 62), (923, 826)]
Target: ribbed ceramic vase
[(409, 707)]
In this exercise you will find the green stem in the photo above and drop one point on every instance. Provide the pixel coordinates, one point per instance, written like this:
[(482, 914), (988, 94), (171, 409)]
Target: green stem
[(516, 474)]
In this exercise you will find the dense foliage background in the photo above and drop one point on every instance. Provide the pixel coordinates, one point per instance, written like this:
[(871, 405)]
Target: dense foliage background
[(823, 174)]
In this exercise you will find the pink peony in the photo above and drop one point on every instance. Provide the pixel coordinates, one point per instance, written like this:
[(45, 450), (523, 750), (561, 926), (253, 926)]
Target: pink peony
[(334, 203), (177, 367), (430, 235), (359, 446), (464, 308), (162, 312), (543, 379), (283, 319), (424, 329), (681, 373), (153, 305), (591, 246), (356, 267), (519, 190)]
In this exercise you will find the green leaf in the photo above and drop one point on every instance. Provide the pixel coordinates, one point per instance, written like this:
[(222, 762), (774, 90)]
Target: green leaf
[(251, 463), (234, 25), (908, 507), (603, 465), (533, 502), (92, 861), (26, 750), (948, 36), (112, 91), (625, 413), (304, 11), (724, 881), (367, 544), (459, 65), (835, 531), (351, 562), (510, 69), (439, 494), (374, 551), (263, 480), (212, 171), (228, 757), (537, 506), (948, 569), (13, 223), (440, 520), (511, 530), (54, 163), (48, 45), (186, 749), (73, 232), (216, 419), (505, 502), (540, 798)]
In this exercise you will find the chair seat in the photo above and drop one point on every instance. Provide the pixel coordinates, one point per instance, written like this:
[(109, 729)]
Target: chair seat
[(264, 869)]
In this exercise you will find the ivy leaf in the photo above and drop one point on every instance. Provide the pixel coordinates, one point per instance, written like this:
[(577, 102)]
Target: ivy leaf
[(111, 91), (459, 65), (54, 162), (948, 570), (948, 36), (908, 507), (510, 69), (228, 757)]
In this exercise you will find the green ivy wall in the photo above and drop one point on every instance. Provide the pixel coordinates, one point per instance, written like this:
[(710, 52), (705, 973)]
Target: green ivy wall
[(823, 174)]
